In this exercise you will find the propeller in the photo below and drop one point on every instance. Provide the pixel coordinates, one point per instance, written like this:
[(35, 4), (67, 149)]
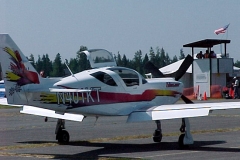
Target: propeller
[(184, 67), (186, 100), (150, 67)]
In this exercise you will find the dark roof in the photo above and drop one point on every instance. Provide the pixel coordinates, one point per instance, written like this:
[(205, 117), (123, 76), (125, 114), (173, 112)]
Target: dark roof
[(206, 43)]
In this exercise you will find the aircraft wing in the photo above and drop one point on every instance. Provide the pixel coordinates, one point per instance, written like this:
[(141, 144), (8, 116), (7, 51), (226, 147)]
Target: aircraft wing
[(50, 113), (179, 111)]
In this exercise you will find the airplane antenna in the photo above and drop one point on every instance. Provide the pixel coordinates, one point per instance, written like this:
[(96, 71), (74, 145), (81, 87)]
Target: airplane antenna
[(68, 68)]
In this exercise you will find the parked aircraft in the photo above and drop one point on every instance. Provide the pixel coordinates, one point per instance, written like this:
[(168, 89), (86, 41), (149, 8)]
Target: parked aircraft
[(104, 90), (3, 99)]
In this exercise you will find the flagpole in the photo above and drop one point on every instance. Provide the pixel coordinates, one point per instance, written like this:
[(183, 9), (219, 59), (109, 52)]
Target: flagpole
[(227, 35), (226, 39), (221, 44)]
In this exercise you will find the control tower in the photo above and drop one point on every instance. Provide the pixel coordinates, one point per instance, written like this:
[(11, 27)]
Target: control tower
[(208, 72)]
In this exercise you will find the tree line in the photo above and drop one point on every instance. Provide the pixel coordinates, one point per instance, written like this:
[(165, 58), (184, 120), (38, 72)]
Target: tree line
[(57, 67)]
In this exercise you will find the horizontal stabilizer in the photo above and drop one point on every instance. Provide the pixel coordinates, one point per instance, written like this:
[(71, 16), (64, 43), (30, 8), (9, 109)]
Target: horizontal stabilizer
[(3, 101), (50, 113)]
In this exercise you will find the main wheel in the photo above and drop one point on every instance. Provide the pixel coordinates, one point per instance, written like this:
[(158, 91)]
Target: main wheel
[(63, 137), (180, 140), (157, 136)]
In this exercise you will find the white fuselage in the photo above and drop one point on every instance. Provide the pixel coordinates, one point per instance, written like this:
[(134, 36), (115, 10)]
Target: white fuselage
[(106, 98)]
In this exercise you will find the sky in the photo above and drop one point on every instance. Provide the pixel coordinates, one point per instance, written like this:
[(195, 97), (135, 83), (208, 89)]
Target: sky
[(126, 26)]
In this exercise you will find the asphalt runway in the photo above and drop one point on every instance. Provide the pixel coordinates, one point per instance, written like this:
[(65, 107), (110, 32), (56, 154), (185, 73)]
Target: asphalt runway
[(29, 137)]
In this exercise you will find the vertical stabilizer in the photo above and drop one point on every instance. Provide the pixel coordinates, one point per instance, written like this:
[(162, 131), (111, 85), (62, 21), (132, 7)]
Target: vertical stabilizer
[(18, 73)]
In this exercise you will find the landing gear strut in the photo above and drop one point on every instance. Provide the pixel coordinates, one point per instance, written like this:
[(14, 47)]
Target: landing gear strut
[(185, 138), (61, 134), (157, 135)]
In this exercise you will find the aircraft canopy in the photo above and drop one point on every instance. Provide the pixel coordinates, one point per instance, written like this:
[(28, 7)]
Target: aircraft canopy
[(100, 58)]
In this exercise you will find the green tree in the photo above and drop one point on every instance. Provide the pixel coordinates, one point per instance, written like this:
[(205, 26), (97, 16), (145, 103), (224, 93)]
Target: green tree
[(82, 59), (145, 60), (39, 64), (158, 60), (152, 55), (167, 59), (125, 61), (137, 60), (73, 65), (162, 58), (175, 59), (131, 64), (119, 60), (43, 64), (47, 65), (57, 67), (182, 55), (31, 60)]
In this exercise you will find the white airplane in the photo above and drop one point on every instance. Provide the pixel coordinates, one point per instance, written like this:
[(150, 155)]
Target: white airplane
[(105, 90)]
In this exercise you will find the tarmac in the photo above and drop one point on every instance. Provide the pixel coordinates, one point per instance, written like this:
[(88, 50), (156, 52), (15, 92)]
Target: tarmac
[(29, 137)]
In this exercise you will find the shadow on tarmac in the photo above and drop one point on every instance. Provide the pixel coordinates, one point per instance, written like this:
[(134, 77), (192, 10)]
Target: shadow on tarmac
[(119, 148)]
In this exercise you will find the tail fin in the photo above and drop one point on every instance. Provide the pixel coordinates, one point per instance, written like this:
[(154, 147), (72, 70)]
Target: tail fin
[(18, 73)]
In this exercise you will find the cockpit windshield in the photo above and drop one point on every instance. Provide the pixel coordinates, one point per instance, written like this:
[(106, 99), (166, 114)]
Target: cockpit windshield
[(104, 77), (129, 77), (100, 58)]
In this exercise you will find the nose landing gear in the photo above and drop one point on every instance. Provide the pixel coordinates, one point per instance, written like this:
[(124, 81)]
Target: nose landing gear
[(61, 134)]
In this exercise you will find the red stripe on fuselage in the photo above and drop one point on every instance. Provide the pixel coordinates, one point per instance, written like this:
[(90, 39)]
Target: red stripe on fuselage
[(108, 98)]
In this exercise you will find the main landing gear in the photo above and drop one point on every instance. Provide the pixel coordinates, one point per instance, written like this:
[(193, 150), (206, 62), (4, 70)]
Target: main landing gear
[(157, 135), (61, 134), (184, 139)]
